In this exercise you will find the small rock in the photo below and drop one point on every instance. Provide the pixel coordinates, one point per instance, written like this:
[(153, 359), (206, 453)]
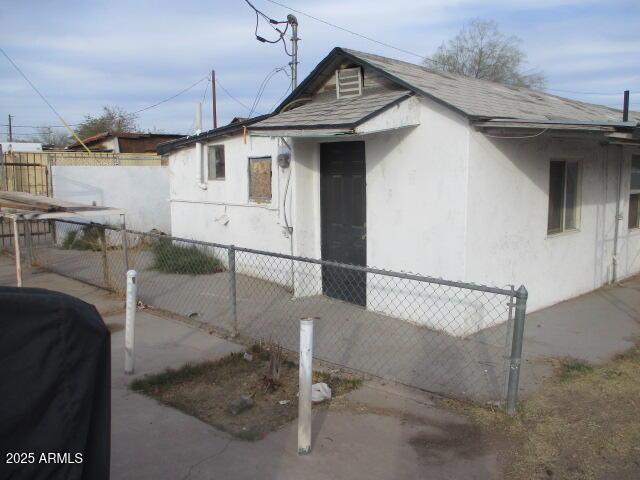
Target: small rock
[(193, 315), (240, 405), (247, 356)]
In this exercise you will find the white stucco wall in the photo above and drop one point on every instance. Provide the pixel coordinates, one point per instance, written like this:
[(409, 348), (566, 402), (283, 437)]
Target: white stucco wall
[(143, 191), (508, 213), (220, 211), (415, 218), (442, 200), (201, 212)]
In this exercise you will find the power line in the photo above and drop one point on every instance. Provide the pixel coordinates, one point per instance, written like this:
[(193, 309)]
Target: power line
[(38, 126), (44, 99), (206, 77), (384, 44), (286, 92), (263, 86), (409, 52), (230, 95), (587, 93), (272, 23)]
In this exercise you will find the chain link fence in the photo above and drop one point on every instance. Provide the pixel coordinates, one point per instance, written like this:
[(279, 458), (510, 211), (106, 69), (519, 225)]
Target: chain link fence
[(442, 336)]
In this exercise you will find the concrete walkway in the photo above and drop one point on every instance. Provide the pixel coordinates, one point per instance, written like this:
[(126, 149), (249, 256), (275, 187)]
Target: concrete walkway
[(593, 327), (378, 432)]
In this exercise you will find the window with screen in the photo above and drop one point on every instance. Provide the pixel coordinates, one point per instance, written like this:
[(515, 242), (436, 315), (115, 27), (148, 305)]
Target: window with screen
[(260, 179), (564, 196), (634, 193), (215, 159)]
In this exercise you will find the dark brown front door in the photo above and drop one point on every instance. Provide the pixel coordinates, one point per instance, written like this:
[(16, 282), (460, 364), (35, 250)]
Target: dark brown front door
[(343, 219)]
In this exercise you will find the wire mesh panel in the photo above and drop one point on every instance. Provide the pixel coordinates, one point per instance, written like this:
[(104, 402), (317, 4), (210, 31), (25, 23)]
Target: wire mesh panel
[(446, 337)]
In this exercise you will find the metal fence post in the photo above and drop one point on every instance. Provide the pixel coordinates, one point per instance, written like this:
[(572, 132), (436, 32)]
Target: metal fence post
[(232, 287), (130, 322), (28, 240), (125, 245), (305, 381), (516, 350)]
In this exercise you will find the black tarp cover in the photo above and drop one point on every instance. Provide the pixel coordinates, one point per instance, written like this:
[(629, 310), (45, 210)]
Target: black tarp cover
[(54, 386)]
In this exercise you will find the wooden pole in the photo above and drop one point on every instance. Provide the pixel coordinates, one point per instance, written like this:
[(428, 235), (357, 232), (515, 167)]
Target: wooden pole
[(105, 262), (213, 99), (16, 246)]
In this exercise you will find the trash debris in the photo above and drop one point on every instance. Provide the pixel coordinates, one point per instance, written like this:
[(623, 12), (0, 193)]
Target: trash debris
[(193, 315), (142, 306), (238, 406), (284, 402), (247, 356), (320, 392)]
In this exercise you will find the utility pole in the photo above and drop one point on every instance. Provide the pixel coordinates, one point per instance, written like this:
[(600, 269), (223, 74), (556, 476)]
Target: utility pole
[(625, 107), (293, 21), (213, 99), (10, 130)]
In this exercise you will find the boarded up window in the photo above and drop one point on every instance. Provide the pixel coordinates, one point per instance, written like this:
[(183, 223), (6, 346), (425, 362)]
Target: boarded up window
[(215, 159), (260, 179)]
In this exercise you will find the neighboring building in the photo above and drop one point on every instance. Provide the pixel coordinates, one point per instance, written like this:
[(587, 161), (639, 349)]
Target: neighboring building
[(401, 167), (124, 142), (7, 147)]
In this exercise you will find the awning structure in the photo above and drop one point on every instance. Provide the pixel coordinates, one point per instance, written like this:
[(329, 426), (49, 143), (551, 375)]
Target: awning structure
[(38, 207), (25, 207), (344, 116)]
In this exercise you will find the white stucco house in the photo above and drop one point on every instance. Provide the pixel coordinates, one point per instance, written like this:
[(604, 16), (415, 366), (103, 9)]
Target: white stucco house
[(379, 162)]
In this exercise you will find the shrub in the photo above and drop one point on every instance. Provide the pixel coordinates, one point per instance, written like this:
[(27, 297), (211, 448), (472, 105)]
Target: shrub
[(173, 258), (87, 238)]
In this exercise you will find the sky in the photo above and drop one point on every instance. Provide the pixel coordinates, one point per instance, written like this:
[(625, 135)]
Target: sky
[(83, 55)]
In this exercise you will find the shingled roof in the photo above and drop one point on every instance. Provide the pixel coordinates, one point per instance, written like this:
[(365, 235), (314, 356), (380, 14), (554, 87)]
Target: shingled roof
[(339, 113), (472, 97)]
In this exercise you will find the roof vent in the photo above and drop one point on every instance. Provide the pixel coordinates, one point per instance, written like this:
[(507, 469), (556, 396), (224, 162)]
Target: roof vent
[(349, 82)]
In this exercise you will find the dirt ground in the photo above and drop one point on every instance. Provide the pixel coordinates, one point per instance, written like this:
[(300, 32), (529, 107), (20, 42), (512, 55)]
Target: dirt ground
[(206, 389), (584, 424)]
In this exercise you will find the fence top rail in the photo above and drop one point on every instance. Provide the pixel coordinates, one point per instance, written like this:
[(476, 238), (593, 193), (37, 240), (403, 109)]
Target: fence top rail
[(510, 292)]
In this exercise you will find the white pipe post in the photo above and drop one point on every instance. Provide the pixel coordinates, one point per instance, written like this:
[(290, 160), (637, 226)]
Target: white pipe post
[(305, 379), (16, 246), (130, 322)]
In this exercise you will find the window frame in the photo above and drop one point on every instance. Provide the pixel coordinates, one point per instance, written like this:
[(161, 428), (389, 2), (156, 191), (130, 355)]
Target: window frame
[(215, 177), (260, 199), (633, 191), (578, 197)]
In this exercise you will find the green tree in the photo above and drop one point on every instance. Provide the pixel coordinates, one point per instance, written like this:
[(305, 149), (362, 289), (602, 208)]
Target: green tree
[(112, 119), (480, 50)]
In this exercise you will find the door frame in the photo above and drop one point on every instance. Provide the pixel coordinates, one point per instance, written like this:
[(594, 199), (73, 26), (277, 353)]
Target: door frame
[(319, 237)]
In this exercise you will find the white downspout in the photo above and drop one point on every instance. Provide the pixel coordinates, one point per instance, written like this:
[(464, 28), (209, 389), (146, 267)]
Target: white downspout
[(616, 233)]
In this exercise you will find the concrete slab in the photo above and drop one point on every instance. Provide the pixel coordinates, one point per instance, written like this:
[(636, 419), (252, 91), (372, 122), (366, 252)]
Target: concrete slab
[(345, 334), (378, 432), (106, 304), (395, 432), (593, 328)]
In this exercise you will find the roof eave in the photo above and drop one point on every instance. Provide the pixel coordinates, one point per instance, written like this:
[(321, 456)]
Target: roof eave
[(233, 128)]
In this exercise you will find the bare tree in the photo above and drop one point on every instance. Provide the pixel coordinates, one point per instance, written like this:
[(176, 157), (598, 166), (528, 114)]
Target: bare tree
[(480, 50), (55, 138), (112, 119)]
